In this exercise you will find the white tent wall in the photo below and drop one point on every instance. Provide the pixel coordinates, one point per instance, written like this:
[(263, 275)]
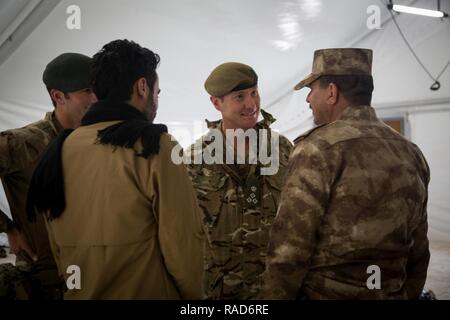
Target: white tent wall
[(278, 39), (435, 144)]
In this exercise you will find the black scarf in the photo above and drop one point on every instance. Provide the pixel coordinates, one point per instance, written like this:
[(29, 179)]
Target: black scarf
[(46, 191)]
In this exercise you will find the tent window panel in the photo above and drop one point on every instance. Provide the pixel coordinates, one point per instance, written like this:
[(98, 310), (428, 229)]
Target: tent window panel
[(398, 124)]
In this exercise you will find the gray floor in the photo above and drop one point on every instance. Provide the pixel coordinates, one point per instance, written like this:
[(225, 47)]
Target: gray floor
[(438, 279)]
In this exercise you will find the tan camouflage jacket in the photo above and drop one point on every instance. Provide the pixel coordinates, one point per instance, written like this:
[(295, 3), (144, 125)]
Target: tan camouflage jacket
[(355, 197), (20, 151), (237, 228)]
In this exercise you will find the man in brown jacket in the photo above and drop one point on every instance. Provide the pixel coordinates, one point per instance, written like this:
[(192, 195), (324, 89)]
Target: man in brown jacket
[(124, 222)]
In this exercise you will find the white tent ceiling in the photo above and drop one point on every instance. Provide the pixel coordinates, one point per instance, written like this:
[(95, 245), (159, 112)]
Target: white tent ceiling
[(192, 36), (276, 37)]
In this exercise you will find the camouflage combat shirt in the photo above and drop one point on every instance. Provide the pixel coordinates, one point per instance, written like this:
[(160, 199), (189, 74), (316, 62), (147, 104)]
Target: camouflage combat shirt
[(20, 151), (355, 196), (237, 225)]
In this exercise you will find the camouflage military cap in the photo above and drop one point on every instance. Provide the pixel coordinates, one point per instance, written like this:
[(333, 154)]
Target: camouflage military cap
[(68, 72), (230, 76), (340, 61)]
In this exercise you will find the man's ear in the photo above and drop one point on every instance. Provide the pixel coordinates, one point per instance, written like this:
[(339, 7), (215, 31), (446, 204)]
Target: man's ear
[(333, 94), (216, 101), (141, 87), (58, 96)]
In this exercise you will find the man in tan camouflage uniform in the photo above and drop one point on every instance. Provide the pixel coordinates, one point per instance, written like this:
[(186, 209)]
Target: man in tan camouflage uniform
[(35, 275), (353, 209), (238, 202)]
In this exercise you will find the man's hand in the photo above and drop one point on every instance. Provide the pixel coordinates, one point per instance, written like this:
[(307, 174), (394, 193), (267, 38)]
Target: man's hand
[(18, 242)]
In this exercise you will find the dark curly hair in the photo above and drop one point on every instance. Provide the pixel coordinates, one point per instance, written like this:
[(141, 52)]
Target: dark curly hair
[(118, 65)]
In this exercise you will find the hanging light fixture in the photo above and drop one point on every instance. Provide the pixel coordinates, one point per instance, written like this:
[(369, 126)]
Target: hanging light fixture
[(419, 11)]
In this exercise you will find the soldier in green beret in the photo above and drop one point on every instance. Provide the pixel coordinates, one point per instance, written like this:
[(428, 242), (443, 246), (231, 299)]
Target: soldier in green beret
[(352, 220), (35, 276), (238, 201)]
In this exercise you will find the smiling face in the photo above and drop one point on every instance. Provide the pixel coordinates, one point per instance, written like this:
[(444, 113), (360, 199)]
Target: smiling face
[(240, 109)]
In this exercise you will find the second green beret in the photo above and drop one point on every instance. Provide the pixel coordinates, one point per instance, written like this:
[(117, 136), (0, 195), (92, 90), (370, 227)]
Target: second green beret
[(230, 76)]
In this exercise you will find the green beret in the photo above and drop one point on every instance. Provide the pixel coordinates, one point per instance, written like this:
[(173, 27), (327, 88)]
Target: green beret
[(68, 72), (230, 76)]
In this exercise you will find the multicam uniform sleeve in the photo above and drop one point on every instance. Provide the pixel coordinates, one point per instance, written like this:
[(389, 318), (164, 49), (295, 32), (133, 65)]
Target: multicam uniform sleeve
[(419, 254), (19, 149), (293, 234)]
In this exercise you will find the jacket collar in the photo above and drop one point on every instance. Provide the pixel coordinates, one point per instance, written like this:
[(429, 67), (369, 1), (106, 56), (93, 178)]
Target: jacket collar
[(355, 113), (54, 123), (351, 113)]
